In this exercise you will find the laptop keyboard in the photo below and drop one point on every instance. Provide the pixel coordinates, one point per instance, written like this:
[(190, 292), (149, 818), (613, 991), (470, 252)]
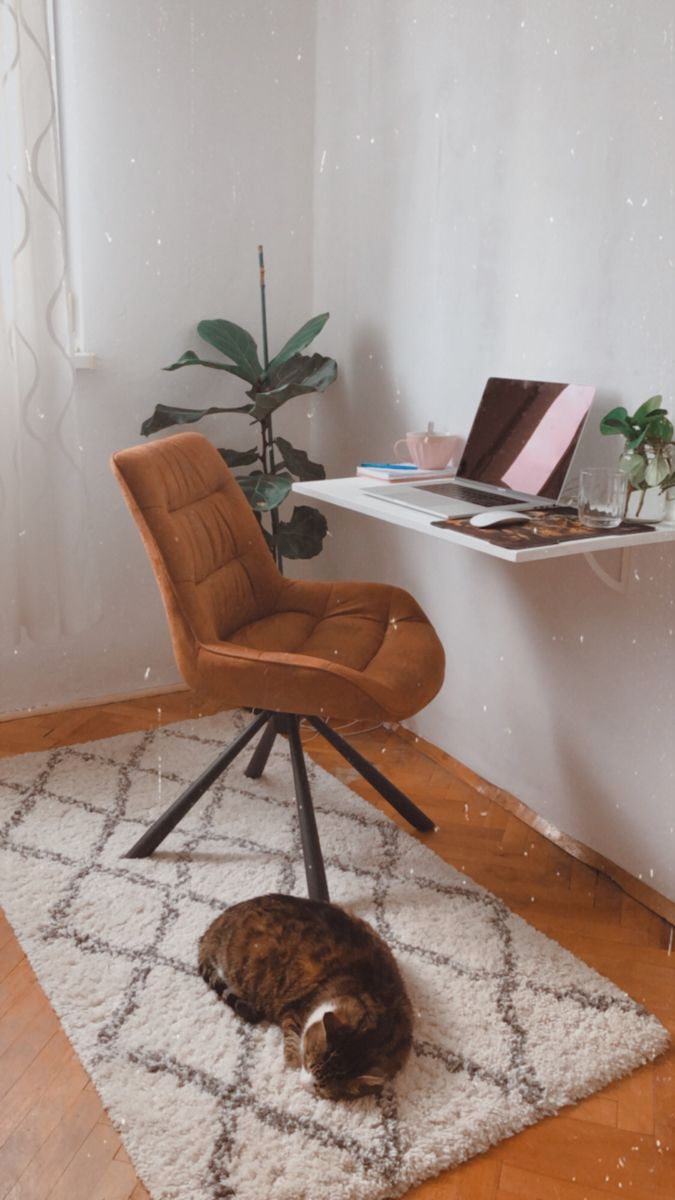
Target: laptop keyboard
[(460, 491)]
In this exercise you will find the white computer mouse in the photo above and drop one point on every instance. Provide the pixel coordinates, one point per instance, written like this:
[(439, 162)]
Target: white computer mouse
[(495, 518)]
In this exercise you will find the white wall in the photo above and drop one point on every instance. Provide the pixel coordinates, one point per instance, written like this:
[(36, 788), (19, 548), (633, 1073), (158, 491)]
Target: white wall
[(493, 195), (188, 131), (491, 187)]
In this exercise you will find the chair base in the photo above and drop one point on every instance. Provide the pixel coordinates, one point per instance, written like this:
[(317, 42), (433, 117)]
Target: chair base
[(289, 724)]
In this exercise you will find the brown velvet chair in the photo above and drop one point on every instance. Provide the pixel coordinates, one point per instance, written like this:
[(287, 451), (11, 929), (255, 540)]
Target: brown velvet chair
[(247, 637)]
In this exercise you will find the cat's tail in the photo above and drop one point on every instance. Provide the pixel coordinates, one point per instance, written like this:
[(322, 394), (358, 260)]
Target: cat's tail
[(211, 975)]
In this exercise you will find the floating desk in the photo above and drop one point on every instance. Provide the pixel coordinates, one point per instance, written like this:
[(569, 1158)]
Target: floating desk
[(349, 493)]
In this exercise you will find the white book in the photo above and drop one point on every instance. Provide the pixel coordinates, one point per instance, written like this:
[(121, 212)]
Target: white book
[(406, 473)]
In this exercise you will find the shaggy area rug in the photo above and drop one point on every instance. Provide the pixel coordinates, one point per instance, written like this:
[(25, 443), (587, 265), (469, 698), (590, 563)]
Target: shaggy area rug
[(509, 1026)]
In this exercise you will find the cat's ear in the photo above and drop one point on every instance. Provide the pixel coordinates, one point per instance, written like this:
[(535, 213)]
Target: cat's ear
[(332, 1025)]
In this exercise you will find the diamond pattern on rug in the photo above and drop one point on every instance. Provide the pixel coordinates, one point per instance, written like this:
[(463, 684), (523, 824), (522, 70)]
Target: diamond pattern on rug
[(509, 1026)]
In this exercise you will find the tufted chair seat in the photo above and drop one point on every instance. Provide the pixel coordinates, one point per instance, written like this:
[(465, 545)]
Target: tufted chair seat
[(246, 636)]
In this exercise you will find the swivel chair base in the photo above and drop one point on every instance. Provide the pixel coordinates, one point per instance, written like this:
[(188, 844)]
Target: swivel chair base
[(286, 723)]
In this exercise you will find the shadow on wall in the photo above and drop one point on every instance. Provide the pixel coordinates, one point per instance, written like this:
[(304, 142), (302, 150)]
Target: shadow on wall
[(368, 408)]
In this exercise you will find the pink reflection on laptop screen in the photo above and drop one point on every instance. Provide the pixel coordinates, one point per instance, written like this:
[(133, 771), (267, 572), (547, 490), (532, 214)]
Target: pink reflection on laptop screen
[(549, 440)]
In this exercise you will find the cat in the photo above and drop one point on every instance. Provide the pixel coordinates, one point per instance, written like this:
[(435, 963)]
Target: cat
[(326, 977)]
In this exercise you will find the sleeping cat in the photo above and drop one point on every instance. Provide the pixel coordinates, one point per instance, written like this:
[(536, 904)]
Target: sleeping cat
[(325, 977)]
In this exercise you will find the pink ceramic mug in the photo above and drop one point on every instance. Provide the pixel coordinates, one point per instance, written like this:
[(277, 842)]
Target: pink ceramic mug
[(431, 451)]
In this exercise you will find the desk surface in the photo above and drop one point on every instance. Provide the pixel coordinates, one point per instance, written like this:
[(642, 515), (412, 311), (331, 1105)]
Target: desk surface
[(348, 493)]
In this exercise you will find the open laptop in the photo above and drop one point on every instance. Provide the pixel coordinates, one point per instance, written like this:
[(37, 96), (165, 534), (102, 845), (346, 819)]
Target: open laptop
[(518, 452)]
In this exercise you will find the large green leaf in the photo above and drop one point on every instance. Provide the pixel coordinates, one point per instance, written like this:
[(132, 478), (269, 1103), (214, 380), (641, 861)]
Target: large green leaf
[(297, 461), (302, 536), (264, 492), (235, 343), (302, 338), (300, 376), (616, 421), (650, 406), (659, 428), (240, 458), (166, 415), (190, 359)]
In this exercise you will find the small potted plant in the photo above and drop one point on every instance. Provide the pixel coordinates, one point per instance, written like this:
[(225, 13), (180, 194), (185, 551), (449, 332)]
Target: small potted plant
[(648, 457)]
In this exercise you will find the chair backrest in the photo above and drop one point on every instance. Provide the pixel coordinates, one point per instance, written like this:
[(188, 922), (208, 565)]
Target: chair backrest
[(208, 552)]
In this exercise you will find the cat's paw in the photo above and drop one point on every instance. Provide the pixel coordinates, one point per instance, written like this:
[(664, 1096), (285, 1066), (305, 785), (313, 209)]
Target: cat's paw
[(292, 1056)]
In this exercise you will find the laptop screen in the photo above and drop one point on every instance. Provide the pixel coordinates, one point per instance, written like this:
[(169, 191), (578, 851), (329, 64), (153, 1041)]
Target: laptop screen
[(524, 435)]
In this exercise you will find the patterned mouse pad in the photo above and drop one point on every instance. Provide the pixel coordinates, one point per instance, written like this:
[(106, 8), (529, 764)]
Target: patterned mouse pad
[(546, 527)]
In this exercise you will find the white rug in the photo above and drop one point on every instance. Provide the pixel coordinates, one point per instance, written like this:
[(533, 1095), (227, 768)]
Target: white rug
[(510, 1027)]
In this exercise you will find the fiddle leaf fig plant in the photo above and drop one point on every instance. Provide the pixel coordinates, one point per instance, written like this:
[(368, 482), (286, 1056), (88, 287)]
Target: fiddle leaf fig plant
[(272, 383), (647, 458)]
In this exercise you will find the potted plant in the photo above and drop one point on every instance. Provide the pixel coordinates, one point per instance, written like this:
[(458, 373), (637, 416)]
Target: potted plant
[(647, 458), (271, 383)]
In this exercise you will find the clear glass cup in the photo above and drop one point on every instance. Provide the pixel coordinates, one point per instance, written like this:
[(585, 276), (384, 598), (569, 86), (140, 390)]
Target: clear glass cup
[(602, 497)]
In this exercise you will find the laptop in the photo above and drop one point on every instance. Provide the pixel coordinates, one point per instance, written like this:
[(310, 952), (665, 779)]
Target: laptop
[(517, 455)]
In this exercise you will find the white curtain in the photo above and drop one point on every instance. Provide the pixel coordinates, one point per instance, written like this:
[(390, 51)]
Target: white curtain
[(47, 575)]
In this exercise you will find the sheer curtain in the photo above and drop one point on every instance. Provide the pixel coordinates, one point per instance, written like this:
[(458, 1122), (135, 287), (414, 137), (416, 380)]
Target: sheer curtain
[(47, 575)]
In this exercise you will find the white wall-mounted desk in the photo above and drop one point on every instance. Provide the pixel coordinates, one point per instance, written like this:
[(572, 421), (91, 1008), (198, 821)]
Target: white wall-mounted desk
[(349, 493)]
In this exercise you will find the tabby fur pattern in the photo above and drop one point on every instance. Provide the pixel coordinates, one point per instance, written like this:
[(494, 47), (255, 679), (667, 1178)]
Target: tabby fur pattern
[(325, 977)]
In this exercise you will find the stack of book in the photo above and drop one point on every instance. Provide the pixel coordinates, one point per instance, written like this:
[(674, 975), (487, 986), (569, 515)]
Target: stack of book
[(402, 472)]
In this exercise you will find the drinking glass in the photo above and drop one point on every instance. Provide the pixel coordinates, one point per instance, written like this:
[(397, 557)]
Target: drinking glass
[(602, 497)]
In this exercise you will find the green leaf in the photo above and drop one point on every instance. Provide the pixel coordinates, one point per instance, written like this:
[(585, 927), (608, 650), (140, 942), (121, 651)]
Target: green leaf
[(302, 536), (297, 461), (264, 492), (668, 482), (658, 470), (649, 406), (235, 343), (659, 428), (616, 421), (190, 359), (649, 423), (302, 338), (240, 458), (634, 442), (166, 415), (634, 466), (299, 376)]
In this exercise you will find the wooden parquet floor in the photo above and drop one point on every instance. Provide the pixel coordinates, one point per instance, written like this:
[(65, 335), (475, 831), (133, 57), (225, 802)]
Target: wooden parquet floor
[(57, 1143)]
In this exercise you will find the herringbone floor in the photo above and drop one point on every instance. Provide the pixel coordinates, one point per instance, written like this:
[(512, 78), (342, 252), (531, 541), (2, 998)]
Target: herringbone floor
[(56, 1142)]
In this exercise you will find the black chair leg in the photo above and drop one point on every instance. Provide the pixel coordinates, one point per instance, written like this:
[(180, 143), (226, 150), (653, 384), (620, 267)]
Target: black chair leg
[(151, 839), (262, 751), (317, 888), (288, 724), (393, 795)]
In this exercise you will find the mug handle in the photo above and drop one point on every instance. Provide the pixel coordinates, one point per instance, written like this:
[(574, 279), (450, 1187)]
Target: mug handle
[(401, 442)]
